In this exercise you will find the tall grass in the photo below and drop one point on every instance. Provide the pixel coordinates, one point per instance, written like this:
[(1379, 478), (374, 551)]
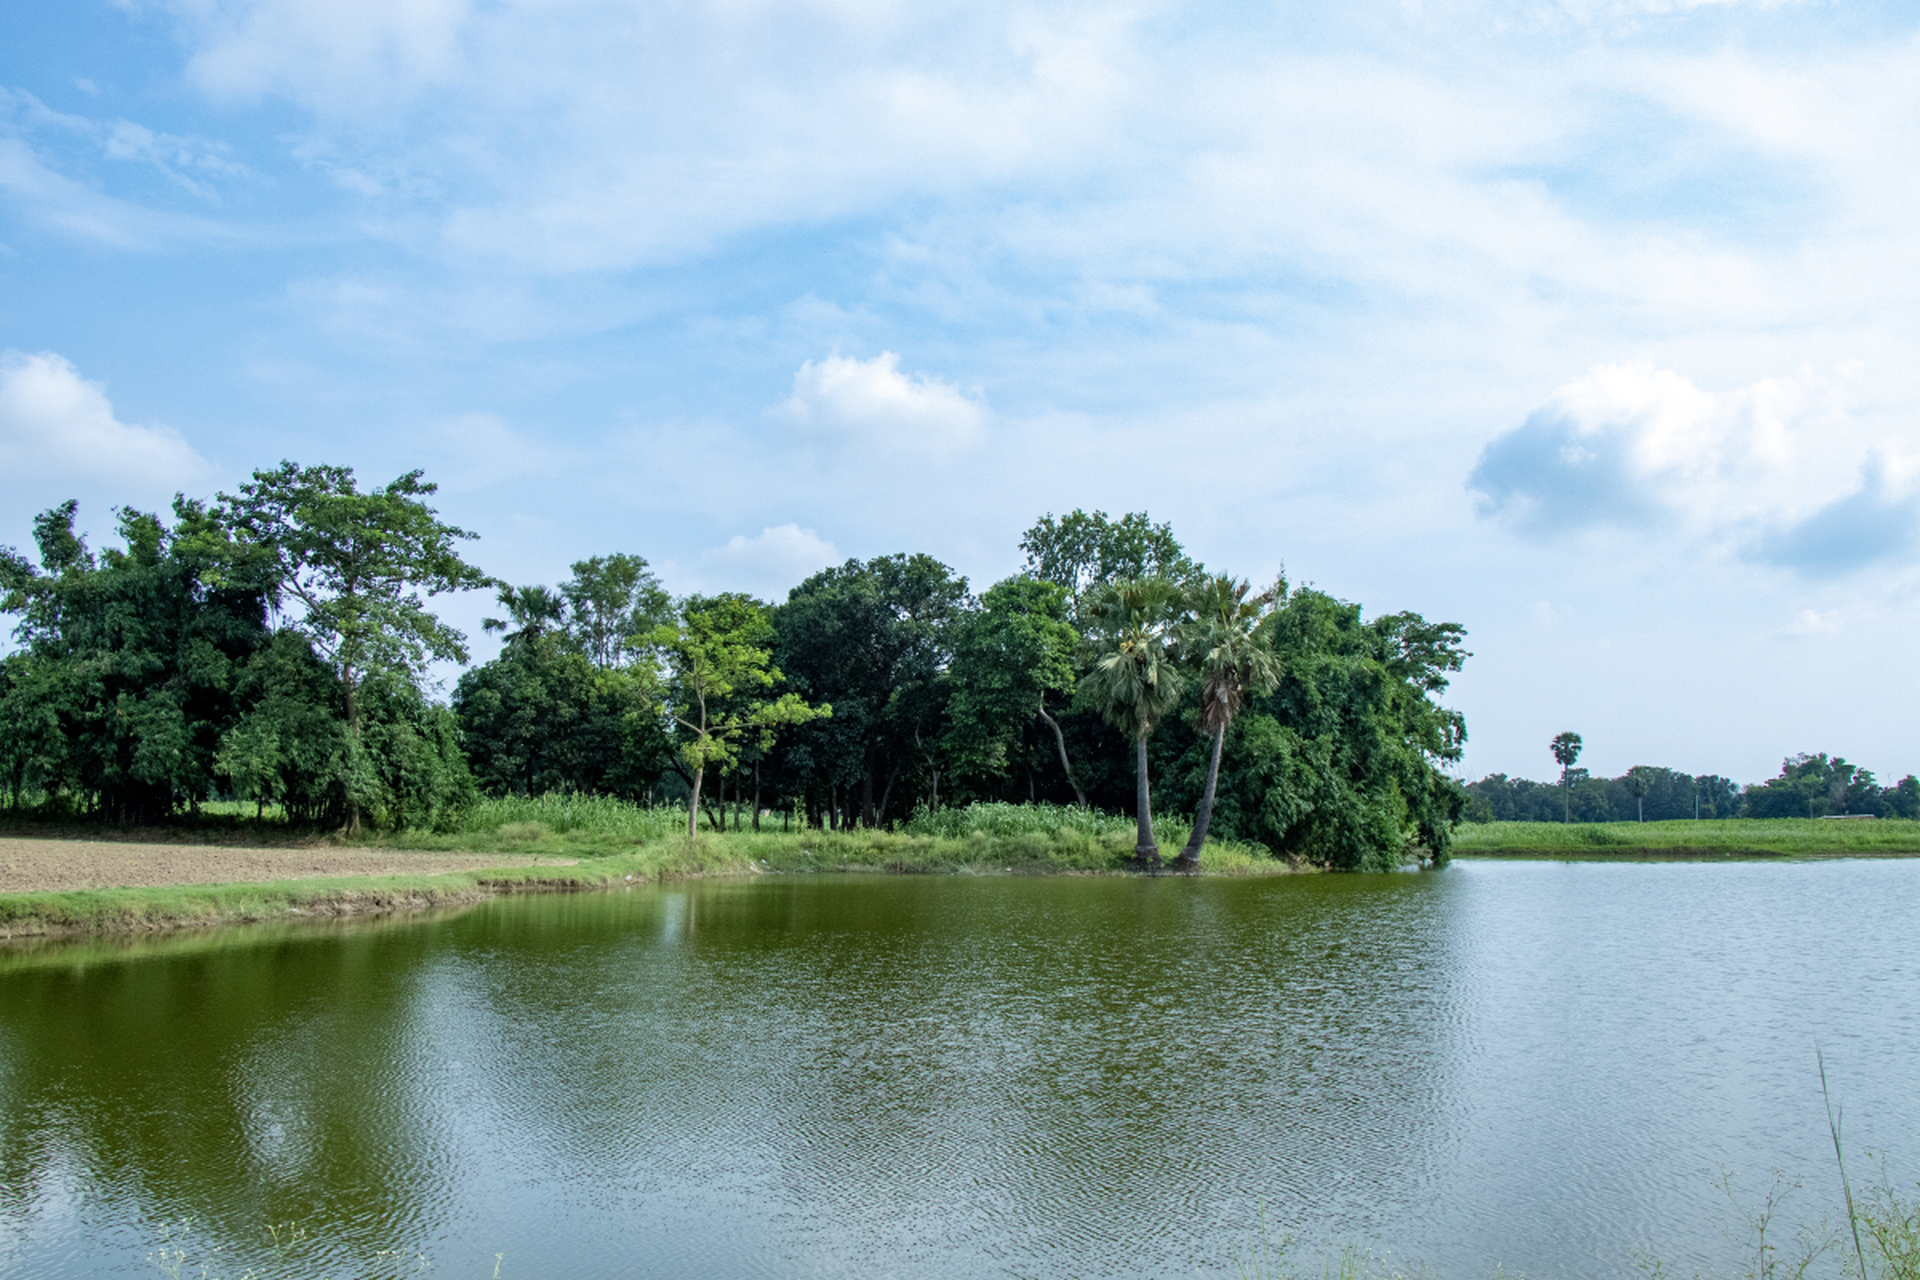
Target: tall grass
[(601, 817), (995, 818)]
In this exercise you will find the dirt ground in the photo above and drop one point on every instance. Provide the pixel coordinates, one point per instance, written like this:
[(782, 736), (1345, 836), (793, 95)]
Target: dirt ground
[(33, 866)]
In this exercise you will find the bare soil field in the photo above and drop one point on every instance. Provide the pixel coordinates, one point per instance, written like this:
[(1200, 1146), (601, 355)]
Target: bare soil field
[(29, 865)]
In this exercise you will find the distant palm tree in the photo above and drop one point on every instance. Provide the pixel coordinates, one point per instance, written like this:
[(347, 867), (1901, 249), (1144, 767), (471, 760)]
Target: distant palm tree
[(1566, 749), (1135, 681), (1222, 637), (1640, 780)]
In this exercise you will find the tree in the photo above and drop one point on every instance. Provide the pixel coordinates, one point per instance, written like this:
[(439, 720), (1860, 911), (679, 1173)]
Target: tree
[(1566, 750), (871, 639), (358, 566), (1222, 638), (1640, 780), (1008, 657), (125, 681), (531, 613), (719, 658), (1134, 680), (1343, 764), (612, 602), (1082, 552)]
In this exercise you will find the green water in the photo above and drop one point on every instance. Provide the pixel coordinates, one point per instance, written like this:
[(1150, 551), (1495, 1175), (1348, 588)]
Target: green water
[(1533, 1064)]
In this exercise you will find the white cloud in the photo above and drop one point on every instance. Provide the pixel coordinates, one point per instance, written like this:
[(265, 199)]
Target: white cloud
[(875, 402), (1779, 470), (337, 48), (57, 426), (767, 564)]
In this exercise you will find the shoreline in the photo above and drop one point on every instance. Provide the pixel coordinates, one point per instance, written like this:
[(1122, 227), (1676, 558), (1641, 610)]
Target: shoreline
[(550, 865)]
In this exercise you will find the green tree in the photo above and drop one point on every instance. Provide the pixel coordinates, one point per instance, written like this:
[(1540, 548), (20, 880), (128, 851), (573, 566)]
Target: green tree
[(125, 679), (872, 640), (1343, 764), (531, 613), (359, 567), (1566, 750), (613, 602), (721, 667), (1134, 680), (1084, 551), (1008, 658), (540, 717), (1222, 638), (289, 748)]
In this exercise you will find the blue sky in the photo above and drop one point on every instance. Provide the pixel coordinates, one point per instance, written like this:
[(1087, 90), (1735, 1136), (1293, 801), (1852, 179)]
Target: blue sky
[(1590, 325)]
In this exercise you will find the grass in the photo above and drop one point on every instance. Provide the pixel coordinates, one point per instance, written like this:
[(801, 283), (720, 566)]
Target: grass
[(1727, 837), (613, 843), (1034, 839)]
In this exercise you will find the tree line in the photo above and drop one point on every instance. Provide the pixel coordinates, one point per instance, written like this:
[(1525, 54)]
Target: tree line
[(272, 646), (1810, 785)]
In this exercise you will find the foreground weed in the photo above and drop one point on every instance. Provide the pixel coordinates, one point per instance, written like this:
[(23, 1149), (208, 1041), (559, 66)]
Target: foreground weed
[(172, 1259)]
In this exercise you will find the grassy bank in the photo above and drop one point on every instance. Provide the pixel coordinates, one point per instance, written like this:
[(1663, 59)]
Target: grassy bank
[(610, 844), (1732, 837)]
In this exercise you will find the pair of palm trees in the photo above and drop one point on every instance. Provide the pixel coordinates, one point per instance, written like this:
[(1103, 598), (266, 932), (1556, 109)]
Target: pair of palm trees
[(1154, 634)]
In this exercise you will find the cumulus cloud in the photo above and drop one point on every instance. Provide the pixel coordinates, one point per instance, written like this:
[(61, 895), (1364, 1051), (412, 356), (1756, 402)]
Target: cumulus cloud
[(1873, 523), (769, 563), (1632, 446), (874, 401), (1768, 472), (56, 425)]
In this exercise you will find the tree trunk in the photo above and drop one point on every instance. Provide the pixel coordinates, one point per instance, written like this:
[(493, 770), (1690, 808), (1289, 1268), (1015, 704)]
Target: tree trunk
[(756, 795), (353, 729), (1145, 850), (1190, 856), (866, 799), (693, 802), (880, 815), (1060, 741)]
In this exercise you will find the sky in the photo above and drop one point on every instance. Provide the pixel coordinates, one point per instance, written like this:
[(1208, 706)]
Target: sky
[(1590, 325)]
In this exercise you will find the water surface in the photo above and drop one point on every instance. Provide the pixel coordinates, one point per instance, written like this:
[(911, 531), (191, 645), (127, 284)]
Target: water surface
[(1540, 1065)]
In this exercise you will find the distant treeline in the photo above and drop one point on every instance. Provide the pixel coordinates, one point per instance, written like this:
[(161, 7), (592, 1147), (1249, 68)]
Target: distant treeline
[(271, 646), (1809, 786)]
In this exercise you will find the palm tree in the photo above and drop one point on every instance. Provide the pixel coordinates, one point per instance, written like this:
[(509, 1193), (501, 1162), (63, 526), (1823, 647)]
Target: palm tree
[(1566, 749), (1134, 681), (530, 612), (1222, 638)]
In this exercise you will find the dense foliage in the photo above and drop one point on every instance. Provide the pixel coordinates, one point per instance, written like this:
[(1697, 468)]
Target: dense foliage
[(272, 647), (151, 677)]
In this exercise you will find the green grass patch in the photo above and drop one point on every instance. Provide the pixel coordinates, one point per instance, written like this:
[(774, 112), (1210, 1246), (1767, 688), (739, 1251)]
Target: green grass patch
[(604, 851), (1726, 837)]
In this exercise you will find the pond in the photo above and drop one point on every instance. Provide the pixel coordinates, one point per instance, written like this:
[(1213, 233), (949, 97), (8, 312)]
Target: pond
[(1543, 1066)]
